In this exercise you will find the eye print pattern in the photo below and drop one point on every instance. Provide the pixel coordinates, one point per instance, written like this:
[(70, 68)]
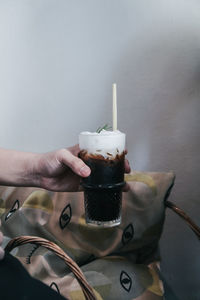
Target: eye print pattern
[(54, 286), (127, 234), (126, 281), (65, 216), (14, 208), (28, 259)]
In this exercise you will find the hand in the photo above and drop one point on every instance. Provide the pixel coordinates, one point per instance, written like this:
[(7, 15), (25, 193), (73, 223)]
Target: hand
[(127, 170), (61, 170), (1, 249)]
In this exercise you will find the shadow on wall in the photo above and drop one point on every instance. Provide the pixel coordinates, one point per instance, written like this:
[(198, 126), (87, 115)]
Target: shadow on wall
[(159, 83), (161, 74)]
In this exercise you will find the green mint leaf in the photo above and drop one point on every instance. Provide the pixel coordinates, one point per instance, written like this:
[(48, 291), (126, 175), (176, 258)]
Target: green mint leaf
[(105, 127)]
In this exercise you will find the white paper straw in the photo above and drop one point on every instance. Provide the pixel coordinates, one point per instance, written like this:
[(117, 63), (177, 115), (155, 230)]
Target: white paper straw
[(114, 89)]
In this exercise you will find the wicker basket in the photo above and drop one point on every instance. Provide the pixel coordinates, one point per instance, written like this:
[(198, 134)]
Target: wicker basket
[(21, 240), (86, 288)]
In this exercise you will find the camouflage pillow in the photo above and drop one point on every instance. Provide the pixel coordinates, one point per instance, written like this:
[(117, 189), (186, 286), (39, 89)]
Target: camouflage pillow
[(119, 262)]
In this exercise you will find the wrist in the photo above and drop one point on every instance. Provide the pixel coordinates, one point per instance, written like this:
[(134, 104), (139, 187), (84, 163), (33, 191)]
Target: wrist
[(24, 169), (18, 168), (31, 175)]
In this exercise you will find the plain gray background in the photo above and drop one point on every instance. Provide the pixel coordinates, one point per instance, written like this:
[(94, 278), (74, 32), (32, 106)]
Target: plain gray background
[(58, 60)]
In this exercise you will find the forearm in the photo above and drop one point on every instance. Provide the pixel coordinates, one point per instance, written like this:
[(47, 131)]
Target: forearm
[(18, 168), (59, 170)]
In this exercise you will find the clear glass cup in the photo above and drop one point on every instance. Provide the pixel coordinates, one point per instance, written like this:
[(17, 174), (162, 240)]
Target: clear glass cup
[(104, 153)]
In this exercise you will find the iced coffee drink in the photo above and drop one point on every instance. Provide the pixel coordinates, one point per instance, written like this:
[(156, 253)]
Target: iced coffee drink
[(104, 153)]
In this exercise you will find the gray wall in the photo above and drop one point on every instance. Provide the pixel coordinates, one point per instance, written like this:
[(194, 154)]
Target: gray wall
[(58, 60)]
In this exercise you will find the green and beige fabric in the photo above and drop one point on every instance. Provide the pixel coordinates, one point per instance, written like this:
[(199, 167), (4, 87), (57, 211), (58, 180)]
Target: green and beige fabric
[(118, 263)]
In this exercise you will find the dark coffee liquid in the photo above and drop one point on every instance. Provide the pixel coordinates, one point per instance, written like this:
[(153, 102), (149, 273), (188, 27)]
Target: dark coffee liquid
[(103, 188), (104, 171), (103, 205)]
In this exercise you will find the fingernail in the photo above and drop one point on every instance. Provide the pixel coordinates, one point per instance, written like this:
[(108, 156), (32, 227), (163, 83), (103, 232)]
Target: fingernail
[(85, 171)]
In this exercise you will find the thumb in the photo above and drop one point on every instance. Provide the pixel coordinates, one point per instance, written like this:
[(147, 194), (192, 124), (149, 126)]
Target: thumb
[(75, 163)]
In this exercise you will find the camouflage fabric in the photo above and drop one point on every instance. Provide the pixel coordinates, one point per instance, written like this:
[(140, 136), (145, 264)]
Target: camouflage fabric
[(119, 262)]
